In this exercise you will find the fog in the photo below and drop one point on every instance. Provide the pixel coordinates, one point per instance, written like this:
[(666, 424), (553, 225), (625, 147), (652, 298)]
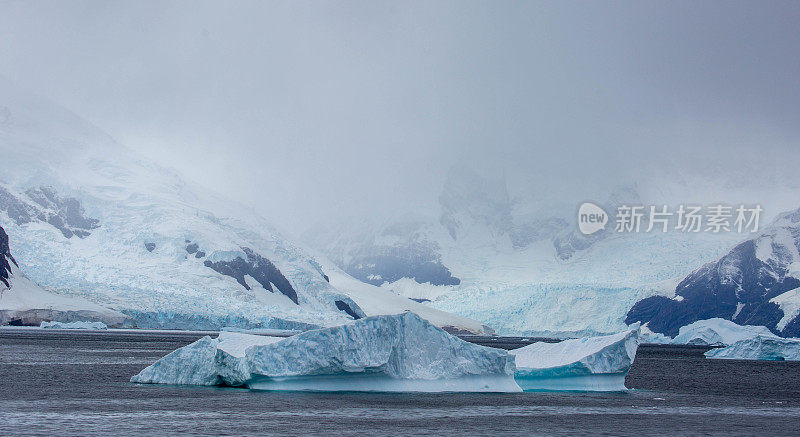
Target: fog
[(315, 111)]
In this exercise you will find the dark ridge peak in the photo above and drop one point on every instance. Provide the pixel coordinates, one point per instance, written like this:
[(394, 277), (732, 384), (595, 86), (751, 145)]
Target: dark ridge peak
[(259, 268), (43, 204), (5, 257)]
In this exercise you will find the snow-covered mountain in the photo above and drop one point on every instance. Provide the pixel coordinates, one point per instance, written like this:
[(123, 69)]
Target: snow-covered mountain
[(92, 219), (756, 283), (519, 263)]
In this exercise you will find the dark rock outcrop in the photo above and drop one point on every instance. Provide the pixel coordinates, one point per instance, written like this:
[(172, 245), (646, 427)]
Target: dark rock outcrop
[(5, 258), (342, 306), (150, 246), (43, 204), (417, 260), (259, 268)]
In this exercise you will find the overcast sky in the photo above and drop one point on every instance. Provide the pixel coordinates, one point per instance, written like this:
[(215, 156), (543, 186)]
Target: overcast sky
[(314, 109)]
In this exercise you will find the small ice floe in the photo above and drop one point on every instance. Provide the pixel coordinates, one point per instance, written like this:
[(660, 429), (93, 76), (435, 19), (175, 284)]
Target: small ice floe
[(648, 336), (583, 364), (74, 325), (718, 332), (395, 353), (760, 347)]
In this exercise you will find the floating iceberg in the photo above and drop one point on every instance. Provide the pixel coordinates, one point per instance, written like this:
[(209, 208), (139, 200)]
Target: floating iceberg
[(718, 332), (585, 364), (74, 325), (654, 338), (384, 353), (648, 336), (760, 347)]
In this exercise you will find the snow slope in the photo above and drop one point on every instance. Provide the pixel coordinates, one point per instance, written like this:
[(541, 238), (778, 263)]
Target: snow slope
[(24, 302), (384, 353), (93, 219)]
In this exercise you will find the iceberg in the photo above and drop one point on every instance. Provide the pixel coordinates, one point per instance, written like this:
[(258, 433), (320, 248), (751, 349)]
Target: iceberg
[(760, 347), (397, 353), (74, 325), (654, 338), (718, 332), (583, 364)]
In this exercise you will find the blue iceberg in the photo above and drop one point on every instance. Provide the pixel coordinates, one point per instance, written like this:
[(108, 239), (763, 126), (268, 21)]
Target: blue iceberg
[(384, 353), (583, 364), (760, 347)]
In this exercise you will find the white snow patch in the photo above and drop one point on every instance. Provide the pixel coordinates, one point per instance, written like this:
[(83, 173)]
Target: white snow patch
[(377, 300), (411, 289), (236, 343), (789, 303)]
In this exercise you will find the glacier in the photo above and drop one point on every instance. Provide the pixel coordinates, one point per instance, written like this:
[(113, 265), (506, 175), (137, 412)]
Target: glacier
[(96, 326), (93, 220), (382, 353), (760, 347), (23, 302), (584, 364), (718, 332)]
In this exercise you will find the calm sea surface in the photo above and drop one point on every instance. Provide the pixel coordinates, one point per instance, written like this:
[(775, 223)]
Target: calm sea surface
[(76, 383)]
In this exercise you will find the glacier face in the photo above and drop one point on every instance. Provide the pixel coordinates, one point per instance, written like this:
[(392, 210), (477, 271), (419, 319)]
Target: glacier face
[(717, 332), (586, 364), (383, 353), (92, 219), (760, 347)]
